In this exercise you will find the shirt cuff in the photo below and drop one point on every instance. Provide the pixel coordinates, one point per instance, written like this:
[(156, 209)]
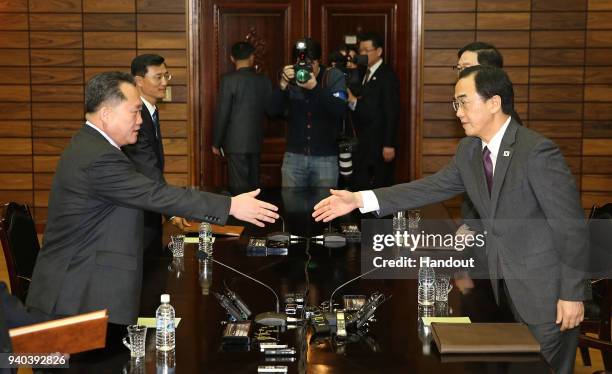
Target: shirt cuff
[(370, 202)]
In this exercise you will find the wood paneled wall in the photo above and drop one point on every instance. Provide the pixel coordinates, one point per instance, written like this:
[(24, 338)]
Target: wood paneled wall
[(48, 50), (558, 54)]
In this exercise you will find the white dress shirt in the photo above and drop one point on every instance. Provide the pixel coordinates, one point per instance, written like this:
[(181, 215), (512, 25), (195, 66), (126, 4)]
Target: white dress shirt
[(103, 134), (150, 107), (370, 202)]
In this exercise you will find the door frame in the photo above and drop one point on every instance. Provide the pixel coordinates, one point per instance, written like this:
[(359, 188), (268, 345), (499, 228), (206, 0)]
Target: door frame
[(195, 98)]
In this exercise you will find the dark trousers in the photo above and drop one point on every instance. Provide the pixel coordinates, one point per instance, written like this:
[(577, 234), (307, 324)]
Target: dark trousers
[(243, 171), (558, 347), (371, 171), (152, 234)]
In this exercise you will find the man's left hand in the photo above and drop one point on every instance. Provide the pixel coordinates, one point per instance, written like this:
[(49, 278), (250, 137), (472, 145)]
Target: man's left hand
[(310, 84), (180, 222), (388, 154), (569, 314)]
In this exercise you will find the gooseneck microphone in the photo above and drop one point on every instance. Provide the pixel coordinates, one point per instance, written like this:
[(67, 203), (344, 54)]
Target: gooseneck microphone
[(266, 318), (204, 256), (331, 298)]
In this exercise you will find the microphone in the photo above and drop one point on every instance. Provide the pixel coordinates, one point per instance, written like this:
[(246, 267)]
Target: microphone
[(273, 319), (282, 236), (331, 298)]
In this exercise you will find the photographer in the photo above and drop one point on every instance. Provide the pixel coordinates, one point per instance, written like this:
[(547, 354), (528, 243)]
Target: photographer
[(314, 114)]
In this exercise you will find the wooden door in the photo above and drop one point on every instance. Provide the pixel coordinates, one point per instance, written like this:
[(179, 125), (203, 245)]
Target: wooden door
[(273, 26)]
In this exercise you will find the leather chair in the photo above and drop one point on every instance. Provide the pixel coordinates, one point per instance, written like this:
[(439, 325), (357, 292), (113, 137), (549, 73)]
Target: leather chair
[(20, 246), (598, 309)]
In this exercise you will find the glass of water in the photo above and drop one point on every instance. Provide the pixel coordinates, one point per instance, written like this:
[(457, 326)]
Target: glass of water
[(137, 335), (177, 245), (443, 287), (414, 217)]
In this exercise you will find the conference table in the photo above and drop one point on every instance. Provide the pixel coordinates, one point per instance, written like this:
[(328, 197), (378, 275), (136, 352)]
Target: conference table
[(396, 342)]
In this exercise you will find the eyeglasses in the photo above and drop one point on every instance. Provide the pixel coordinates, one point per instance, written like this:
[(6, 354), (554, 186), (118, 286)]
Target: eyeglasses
[(459, 103), (158, 78)]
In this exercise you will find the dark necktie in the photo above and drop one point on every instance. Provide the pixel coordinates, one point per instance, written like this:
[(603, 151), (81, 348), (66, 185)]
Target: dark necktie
[(155, 118), (367, 76), (488, 167)]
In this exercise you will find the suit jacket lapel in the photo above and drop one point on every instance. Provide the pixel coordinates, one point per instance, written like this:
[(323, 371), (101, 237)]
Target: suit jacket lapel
[(504, 156), (159, 149), (481, 180)]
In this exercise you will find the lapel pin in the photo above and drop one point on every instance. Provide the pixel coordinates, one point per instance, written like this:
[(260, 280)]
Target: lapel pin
[(506, 153)]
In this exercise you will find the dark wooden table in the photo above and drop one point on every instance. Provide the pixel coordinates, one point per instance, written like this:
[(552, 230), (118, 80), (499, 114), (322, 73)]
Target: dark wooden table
[(395, 343)]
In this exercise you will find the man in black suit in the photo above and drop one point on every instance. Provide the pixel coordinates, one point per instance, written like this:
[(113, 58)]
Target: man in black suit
[(91, 257), (238, 131), (375, 114), (147, 154)]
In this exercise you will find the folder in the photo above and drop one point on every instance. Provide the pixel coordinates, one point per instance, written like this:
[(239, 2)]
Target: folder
[(76, 334), (484, 338)]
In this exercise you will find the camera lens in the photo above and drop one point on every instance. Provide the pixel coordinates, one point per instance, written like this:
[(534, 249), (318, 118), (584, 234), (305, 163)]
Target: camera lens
[(302, 76)]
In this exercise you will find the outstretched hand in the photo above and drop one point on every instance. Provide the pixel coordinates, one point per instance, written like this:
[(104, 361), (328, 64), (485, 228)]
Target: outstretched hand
[(338, 204), (247, 208)]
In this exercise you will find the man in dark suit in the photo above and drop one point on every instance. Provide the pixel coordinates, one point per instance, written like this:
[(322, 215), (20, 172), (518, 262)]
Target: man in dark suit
[(238, 128), (536, 243), (92, 252), (147, 154), (376, 115)]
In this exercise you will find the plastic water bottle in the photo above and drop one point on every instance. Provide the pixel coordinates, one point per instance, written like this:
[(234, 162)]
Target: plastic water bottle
[(205, 238), (164, 317)]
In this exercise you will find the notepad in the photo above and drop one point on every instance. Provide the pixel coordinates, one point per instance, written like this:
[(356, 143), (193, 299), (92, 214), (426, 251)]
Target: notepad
[(428, 320), (150, 322), (194, 239)]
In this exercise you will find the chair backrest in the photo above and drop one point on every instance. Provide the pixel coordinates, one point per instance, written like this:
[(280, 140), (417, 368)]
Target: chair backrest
[(600, 230), (20, 246)]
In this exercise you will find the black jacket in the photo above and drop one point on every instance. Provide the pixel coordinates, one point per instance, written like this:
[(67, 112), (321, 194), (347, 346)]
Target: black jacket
[(377, 113), (314, 116), (91, 257), (240, 111), (147, 154)]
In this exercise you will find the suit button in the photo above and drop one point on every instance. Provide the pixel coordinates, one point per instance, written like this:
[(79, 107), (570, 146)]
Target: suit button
[(308, 126)]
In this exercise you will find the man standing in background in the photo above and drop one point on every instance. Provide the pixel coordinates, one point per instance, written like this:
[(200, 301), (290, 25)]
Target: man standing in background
[(151, 76), (240, 113), (376, 115)]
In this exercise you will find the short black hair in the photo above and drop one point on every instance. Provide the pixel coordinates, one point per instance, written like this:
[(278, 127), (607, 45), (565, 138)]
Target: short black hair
[(313, 49), (491, 81), (104, 88), (486, 53), (140, 64), (375, 38), (242, 50)]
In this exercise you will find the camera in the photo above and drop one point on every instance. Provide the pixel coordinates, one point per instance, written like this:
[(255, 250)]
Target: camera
[(351, 64), (303, 65)]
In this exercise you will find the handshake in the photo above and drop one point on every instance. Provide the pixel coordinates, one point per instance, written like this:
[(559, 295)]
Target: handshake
[(246, 207)]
